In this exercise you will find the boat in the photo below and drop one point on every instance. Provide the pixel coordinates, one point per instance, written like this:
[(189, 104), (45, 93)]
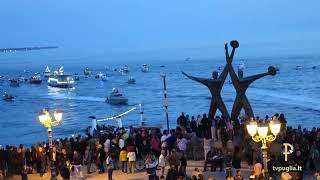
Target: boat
[(87, 71), (116, 98), (76, 77), (104, 78), (22, 79), (124, 70), (241, 66), (7, 97), (36, 79), (61, 80), (99, 75), (144, 68), (298, 67), (14, 82), (131, 80), (47, 72)]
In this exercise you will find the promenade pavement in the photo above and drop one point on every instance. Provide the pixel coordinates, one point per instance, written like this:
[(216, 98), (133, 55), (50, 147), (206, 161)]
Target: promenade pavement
[(118, 175)]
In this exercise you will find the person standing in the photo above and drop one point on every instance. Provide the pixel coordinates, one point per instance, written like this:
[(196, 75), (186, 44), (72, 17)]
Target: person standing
[(193, 124), (41, 161), (100, 158), (182, 144), (132, 161), (205, 125), (182, 122), (199, 125), (164, 139), (77, 163), (124, 160), (162, 161), (110, 167)]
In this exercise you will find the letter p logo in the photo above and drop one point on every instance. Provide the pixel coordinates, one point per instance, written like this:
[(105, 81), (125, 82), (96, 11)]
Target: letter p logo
[(287, 151)]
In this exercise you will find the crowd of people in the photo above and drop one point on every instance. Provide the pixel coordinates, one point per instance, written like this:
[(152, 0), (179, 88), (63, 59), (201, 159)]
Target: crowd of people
[(224, 145)]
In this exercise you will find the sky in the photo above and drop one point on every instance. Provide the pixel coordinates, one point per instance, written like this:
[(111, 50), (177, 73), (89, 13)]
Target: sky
[(122, 26)]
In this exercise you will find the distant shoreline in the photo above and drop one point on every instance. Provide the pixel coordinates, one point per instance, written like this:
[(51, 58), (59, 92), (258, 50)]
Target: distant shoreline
[(27, 48)]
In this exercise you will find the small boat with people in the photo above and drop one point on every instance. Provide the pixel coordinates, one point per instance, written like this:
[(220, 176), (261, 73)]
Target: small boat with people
[(61, 80), (35, 79), (99, 75), (116, 98), (7, 97), (47, 72), (124, 70), (87, 71), (102, 77), (145, 68), (131, 80)]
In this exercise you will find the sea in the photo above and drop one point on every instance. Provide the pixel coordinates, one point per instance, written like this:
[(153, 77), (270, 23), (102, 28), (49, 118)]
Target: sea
[(294, 91)]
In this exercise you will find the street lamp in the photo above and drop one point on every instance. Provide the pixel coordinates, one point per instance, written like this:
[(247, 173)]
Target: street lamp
[(47, 121), (259, 132), (163, 74)]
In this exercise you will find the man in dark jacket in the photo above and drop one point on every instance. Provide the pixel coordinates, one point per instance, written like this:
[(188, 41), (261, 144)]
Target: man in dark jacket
[(182, 122)]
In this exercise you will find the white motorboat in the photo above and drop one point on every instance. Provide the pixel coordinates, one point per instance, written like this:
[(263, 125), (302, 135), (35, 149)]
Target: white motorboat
[(131, 80), (7, 97), (145, 68), (116, 98), (61, 80), (47, 72)]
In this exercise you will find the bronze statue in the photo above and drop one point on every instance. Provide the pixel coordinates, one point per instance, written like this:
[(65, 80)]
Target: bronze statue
[(240, 83), (214, 85)]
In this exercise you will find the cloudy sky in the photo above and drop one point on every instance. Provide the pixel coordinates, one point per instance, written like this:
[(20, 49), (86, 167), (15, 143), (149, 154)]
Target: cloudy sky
[(147, 25)]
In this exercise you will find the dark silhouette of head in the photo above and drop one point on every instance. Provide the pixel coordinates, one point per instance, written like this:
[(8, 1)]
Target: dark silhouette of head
[(234, 44), (272, 70), (215, 75)]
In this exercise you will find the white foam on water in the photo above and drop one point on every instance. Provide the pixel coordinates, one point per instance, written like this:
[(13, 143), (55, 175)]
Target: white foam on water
[(80, 98)]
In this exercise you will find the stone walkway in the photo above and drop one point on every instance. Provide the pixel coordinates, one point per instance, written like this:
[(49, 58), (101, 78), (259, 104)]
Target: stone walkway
[(118, 175)]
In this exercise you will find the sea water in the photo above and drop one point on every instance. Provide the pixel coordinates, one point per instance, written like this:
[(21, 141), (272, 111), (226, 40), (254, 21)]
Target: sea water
[(293, 92)]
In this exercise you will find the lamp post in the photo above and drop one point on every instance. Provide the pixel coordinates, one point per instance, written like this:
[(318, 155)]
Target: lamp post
[(47, 121), (260, 133), (163, 74)]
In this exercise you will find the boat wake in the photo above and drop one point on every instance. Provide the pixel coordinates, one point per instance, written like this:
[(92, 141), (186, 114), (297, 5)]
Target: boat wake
[(78, 98)]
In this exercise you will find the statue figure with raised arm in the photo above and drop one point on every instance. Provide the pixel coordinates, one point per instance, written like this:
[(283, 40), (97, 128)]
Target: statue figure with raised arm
[(241, 84), (214, 85)]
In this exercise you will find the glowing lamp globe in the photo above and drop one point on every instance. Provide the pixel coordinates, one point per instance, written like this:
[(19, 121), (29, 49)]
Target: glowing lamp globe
[(275, 126), (263, 131), (43, 116), (252, 127), (58, 115)]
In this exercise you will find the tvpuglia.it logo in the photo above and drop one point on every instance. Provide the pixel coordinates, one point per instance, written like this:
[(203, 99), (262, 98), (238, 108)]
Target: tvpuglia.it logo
[(288, 149)]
